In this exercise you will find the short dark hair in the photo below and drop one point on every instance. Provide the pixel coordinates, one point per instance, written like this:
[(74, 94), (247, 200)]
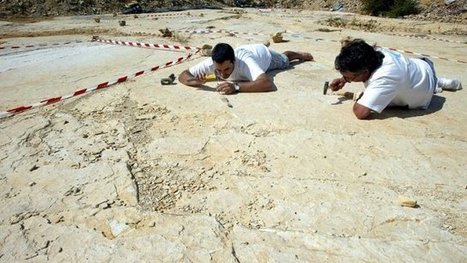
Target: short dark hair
[(356, 55), (223, 52)]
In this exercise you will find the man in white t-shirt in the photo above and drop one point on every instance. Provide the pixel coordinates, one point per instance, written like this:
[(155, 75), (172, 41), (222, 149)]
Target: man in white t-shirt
[(243, 69), (390, 79)]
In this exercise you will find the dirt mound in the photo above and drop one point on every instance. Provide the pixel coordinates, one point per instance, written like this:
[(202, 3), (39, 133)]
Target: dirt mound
[(441, 10), (89, 7)]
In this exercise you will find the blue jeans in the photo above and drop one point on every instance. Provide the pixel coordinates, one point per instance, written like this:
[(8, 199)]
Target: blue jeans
[(278, 61), (432, 66)]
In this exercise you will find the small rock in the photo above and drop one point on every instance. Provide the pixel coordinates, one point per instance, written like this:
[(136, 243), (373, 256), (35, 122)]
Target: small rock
[(166, 32), (206, 50), (407, 202), (277, 38)]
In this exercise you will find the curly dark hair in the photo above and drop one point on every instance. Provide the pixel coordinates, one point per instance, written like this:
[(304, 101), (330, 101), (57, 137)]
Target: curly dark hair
[(223, 52), (356, 55)]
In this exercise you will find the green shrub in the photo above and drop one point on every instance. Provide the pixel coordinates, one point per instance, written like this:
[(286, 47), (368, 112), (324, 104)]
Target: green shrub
[(377, 7), (403, 8), (391, 8)]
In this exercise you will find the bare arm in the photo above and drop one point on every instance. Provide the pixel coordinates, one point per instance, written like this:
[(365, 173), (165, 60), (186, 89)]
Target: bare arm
[(361, 112), (337, 84), (188, 79), (261, 84)]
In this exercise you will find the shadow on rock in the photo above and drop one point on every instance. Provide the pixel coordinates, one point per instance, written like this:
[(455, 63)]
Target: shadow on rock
[(436, 104)]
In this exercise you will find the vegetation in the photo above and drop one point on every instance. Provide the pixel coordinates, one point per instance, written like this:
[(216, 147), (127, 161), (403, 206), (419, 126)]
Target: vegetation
[(391, 8), (365, 25)]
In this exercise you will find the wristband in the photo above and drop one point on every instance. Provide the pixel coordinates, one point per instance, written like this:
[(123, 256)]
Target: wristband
[(237, 87)]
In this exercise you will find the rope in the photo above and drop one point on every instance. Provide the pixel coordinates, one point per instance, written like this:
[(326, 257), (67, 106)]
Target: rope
[(102, 85)]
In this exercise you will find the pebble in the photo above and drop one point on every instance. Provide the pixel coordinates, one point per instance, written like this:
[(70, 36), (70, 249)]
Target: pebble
[(407, 202)]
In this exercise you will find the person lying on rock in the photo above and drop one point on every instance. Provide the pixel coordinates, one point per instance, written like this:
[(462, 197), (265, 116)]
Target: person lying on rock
[(390, 79), (241, 70)]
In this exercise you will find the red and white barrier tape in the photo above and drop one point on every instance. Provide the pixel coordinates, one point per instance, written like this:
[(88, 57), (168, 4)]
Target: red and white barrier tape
[(430, 38), (115, 42), (407, 52), (100, 86), (168, 14), (146, 34), (424, 55), (147, 45), (394, 49), (41, 45), (208, 31)]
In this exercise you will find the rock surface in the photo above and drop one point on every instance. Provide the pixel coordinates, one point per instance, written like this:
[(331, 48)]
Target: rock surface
[(141, 172)]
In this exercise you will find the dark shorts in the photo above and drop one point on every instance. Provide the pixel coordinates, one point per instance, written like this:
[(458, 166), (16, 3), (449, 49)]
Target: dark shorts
[(432, 66)]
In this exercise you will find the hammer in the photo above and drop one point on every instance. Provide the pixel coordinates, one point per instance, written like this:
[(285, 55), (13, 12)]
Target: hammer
[(325, 87)]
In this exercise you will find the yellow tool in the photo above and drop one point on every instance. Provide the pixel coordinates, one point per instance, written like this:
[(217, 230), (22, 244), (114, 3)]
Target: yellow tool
[(211, 77)]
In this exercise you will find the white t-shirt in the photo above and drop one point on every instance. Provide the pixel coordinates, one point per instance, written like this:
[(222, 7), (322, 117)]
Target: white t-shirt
[(250, 62), (400, 81)]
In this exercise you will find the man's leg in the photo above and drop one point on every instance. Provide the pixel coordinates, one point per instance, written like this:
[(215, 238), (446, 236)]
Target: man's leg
[(282, 61), (449, 84), (278, 61), (443, 83), (302, 56)]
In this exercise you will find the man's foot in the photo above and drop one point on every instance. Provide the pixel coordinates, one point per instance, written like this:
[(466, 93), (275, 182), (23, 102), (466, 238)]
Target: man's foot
[(449, 84), (305, 56), (301, 56)]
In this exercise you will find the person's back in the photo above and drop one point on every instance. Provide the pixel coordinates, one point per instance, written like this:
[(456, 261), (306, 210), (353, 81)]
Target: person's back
[(259, 52), (399, 81), (241, 70), (251, 61), (390, 79)]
